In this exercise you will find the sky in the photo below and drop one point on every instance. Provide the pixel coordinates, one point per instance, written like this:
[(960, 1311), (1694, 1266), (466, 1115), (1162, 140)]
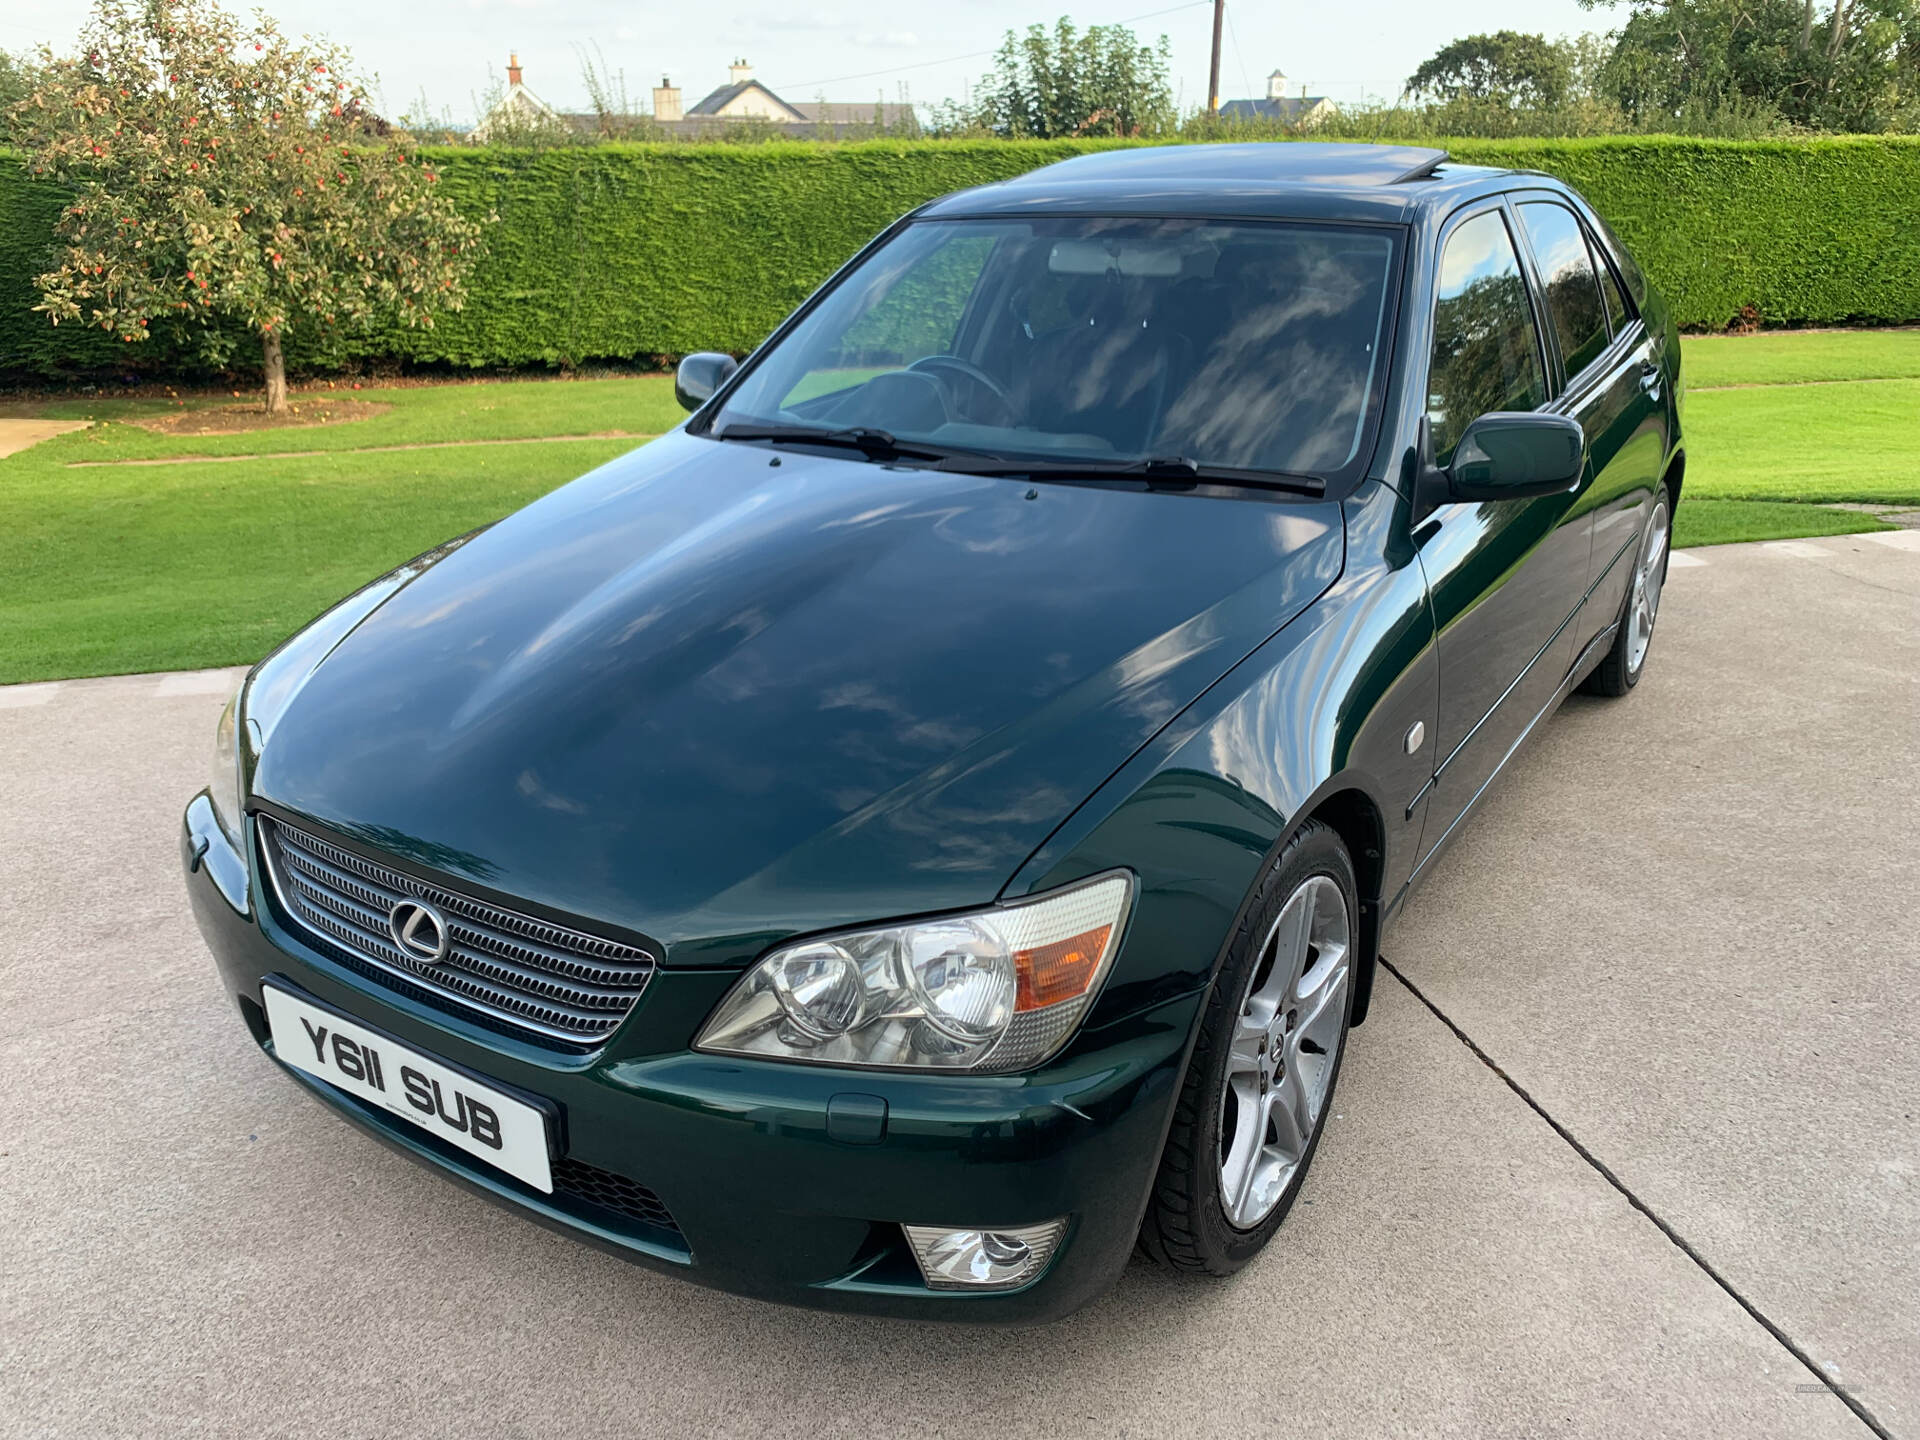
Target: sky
[(451, 50)]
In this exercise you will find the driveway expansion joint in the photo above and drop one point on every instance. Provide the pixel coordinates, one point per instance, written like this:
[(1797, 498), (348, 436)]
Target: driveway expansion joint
[(1679, 1241)]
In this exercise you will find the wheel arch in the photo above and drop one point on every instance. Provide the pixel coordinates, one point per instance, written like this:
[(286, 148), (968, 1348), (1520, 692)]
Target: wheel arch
[(1352, 814)]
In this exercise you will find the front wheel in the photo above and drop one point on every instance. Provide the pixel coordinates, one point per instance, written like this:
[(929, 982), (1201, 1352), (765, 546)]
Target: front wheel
[(1620, 671), (1260, 1085)]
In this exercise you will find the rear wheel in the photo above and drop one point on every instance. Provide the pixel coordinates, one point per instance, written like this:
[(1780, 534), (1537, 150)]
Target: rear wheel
[(1260, 1085), (1620, 671)]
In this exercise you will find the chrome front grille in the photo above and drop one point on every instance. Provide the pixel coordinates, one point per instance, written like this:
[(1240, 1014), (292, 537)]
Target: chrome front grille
[(526, 976)]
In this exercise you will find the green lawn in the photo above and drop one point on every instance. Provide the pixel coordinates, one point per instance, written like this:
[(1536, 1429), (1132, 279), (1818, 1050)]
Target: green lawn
[(169, 567), (110, 568), (1761, 457)]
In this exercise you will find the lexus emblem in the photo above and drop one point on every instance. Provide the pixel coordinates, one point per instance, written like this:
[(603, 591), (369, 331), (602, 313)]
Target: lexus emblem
[(420, 931)]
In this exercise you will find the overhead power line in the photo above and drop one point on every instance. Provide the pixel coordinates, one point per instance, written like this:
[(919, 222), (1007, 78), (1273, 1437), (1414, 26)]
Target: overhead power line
[(970, 55)]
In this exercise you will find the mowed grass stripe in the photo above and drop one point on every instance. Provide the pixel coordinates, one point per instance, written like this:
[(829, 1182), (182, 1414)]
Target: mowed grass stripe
[(1857, 443), (1726, 522), (1798, 357), (415, 415), (1786, 384), (365, 450)]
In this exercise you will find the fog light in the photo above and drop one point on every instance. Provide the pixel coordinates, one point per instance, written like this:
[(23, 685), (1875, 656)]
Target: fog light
[(983, 1259)]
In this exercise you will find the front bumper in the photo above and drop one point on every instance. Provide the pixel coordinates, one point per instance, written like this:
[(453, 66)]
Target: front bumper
[(777, 1183)]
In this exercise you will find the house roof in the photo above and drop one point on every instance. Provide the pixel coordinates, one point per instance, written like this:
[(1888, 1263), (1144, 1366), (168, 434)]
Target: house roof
[(815, 120), (718, 100), (810, 112), (854, 112), (1287, 107)]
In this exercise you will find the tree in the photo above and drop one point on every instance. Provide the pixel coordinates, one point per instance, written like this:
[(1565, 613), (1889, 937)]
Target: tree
[(1855, 66), (221, 172), (1098, 81), (16, 79), (1506, 67)]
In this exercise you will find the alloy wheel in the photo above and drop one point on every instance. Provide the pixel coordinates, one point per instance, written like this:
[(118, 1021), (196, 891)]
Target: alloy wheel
[(1649, 574), (1286, 1040)]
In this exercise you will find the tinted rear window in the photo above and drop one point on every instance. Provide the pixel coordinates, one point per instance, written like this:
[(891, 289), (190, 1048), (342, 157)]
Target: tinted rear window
[(1573, 290)]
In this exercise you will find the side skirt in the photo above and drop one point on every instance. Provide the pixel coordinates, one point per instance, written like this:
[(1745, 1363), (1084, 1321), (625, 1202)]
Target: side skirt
[(1589, 659)]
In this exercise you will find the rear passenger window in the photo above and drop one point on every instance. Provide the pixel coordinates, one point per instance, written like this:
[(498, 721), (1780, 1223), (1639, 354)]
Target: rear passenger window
[(1573, 290), (1610, 287), (1486, 352), (1623, 262)]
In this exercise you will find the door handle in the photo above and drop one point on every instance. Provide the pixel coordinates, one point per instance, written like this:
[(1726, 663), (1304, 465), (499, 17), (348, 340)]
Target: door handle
[(1651, 378)]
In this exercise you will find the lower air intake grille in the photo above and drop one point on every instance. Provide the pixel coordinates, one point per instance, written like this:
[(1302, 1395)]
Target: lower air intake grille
[(611, 1192), (520, 975)]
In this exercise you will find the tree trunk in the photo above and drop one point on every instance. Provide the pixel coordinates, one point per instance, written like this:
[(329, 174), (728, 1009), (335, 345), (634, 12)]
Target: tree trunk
[(1839, 32), (276, 366), (1806, 28)]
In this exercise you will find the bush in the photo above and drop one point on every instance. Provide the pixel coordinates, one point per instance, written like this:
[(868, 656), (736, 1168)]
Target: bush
[(620, 252)]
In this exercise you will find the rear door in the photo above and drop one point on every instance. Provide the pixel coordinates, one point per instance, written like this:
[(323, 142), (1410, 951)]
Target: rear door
[(1609, 383), (1506, 577)]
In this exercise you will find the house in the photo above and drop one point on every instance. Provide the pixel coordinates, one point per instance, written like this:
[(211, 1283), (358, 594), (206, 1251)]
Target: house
[(518, 111), (1302, 110), (743, 100)]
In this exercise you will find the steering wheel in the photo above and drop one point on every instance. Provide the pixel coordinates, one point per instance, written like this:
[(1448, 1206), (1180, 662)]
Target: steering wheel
[(945, 368)]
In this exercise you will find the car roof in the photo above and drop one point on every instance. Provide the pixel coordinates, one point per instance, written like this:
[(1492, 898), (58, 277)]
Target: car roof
[(1297, 179)]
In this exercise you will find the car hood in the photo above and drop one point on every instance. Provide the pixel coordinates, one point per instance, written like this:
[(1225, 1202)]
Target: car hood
[(718, 695)]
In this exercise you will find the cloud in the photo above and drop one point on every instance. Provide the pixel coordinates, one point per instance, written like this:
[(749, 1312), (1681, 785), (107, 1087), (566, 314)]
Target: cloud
[(811, 20), (887, 39)]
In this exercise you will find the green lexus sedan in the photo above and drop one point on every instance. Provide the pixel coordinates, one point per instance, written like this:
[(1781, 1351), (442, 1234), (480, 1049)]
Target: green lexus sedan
[(923, 830)]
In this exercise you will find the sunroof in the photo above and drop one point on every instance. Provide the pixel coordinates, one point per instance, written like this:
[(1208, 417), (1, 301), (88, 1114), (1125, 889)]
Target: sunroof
[(1253, 164)]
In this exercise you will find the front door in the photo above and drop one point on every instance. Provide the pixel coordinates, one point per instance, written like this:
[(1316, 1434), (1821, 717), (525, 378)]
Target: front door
[(1611, 388), (1506, 577)]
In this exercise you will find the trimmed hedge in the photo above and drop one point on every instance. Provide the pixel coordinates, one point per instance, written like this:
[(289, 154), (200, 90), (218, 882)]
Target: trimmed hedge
[(644, 250), (1808, 232)]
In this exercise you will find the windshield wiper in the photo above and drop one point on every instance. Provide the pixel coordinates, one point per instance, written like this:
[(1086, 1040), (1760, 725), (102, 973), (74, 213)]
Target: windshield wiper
[(874, 444), (1170, 471), (1161, 471)]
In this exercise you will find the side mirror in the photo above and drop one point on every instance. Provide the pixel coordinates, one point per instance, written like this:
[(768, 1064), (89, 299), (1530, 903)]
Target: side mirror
[(699, 376), (1507, 455)]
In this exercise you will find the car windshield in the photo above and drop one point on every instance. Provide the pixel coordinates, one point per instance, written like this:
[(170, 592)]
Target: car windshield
[(1245, 345)]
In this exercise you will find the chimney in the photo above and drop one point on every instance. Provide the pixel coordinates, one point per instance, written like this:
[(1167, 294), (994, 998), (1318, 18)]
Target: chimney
[(739, 71), (513, 72), (1277, 86), (666, 101)]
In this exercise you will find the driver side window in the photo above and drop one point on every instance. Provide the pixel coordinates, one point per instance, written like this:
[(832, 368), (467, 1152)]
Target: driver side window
[(913, 315), (1486, 351)]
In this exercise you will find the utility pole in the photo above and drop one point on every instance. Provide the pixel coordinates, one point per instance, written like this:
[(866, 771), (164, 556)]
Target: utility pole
[(1213, 70)]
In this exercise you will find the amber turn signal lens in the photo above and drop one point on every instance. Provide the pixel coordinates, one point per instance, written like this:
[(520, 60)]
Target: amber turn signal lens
[(1049, 974)]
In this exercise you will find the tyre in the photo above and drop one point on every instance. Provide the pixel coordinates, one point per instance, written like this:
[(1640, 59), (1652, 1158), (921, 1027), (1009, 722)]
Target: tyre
[(1259, 1087), (1620, 671)]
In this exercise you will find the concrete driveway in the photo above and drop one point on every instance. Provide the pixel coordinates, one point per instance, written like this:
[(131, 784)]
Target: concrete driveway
[(1629, 1146)]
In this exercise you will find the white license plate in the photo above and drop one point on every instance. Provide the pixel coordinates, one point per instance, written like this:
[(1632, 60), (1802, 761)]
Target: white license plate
[(506, 1132)]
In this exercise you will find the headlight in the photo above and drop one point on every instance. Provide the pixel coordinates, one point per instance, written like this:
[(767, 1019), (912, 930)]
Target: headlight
[(225, 785), (993, 991)]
